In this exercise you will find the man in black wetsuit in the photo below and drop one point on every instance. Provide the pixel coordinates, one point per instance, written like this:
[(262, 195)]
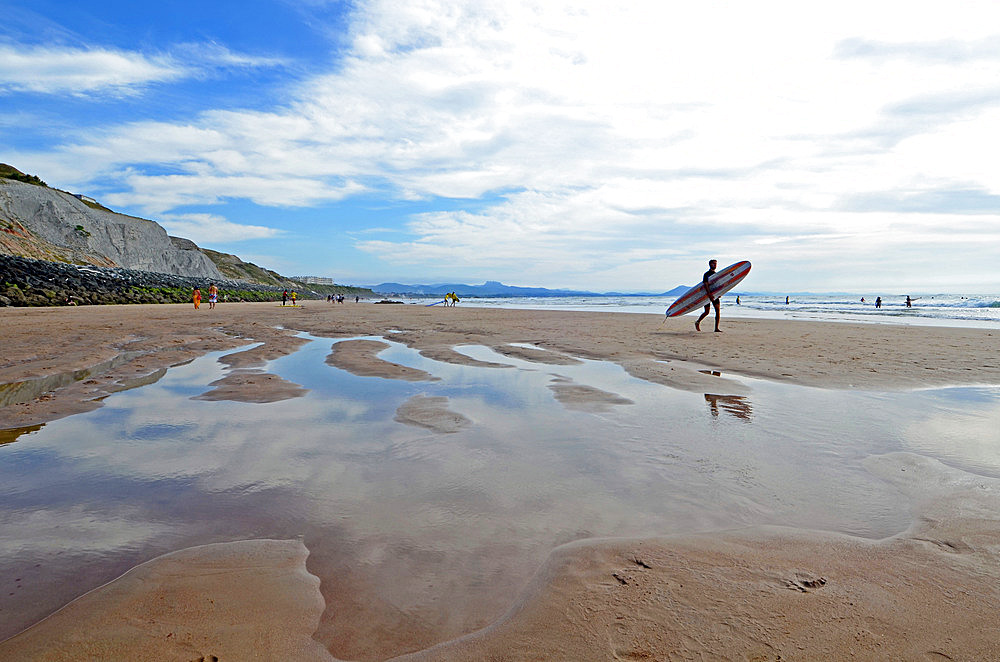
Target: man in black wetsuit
[(714, 301)]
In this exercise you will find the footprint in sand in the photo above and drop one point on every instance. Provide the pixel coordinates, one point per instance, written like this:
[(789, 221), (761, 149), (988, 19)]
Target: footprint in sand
[(805, 583)]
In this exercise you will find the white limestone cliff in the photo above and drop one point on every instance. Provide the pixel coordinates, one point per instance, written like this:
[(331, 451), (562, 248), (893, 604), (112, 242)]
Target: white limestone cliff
[(48, 224)]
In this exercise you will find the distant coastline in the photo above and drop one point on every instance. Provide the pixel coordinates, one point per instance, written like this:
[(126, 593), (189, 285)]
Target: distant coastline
[(492, 288), (496, 289)]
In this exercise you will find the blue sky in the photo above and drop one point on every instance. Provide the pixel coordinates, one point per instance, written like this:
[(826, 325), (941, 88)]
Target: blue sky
[(847, 146)]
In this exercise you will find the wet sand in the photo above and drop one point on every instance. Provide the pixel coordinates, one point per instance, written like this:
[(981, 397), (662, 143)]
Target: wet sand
[(228, 601), (771, 593), (765, 594)]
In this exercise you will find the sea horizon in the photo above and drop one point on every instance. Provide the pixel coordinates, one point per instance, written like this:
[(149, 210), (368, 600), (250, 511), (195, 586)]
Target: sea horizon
[(966, 310)]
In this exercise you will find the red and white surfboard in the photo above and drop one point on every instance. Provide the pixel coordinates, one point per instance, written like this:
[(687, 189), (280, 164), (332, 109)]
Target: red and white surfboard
[(720, 282)]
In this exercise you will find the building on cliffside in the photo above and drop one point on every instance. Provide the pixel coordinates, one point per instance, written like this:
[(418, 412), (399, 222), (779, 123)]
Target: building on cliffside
[(314, 280)]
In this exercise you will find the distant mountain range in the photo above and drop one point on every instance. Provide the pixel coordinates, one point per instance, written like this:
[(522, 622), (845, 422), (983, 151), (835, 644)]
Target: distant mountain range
[(494, 288)]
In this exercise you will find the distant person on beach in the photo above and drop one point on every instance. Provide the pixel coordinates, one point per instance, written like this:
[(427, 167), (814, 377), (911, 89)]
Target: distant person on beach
[(737, 299), (213, 296), (878, 302), (196, 297), (284, 297), (909, 301), (714, 301), (294, 296), (862, 299), (786, 301)]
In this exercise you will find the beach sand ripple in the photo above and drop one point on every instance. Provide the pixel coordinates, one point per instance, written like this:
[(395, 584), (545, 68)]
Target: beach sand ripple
[(359, 357), (247, 600), (431, 412), (252, 386)]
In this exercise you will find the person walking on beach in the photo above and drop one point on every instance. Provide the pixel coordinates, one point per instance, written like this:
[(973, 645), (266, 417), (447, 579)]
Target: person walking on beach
[(294, 295), (196, 297), (284, 297), (213, 296), (714, 301)]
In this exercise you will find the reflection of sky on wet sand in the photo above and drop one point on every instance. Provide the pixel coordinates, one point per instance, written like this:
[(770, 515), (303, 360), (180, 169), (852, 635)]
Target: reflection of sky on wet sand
[(422, 520), (959, 426)]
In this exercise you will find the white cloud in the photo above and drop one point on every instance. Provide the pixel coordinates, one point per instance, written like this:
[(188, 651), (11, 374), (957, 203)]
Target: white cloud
[(157, 194), (83, 71), (218, 55), (610, 128), (211, 228), (949, 51), (80, 71)]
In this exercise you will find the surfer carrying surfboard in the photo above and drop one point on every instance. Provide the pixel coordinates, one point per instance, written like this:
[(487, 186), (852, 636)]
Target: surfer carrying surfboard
[(713, 300), (709, 291)]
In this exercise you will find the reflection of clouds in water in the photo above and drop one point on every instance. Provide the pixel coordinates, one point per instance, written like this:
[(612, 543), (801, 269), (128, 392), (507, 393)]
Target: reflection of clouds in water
[(76, 528), (479, 507), (235, 444), (158, 432), (969, 437), (191, 375), (527, 465)]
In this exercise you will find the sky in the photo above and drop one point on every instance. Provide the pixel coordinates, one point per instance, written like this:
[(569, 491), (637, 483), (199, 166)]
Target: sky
[(839, 146)]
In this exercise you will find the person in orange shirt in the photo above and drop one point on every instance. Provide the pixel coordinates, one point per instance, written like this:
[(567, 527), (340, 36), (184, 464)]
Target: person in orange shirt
[(197, 298)]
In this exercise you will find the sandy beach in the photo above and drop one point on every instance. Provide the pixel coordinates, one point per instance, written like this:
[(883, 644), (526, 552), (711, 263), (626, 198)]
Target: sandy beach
[(763, 593)]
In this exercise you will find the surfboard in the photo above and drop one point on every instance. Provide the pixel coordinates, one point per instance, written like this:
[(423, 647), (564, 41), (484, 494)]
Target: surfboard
[(720, 282)]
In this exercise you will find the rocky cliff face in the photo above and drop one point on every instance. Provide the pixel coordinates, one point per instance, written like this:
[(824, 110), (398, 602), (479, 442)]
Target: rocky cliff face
[(46, 224)]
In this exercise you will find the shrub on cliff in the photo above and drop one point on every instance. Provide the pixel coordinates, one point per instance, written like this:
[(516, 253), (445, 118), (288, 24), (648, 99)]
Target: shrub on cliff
[(10, 172)]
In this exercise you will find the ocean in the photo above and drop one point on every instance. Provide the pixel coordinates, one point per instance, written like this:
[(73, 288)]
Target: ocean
[(935, 310)]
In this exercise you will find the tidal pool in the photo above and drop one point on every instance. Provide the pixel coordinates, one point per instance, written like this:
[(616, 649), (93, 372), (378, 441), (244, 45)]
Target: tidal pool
[(416, 530)]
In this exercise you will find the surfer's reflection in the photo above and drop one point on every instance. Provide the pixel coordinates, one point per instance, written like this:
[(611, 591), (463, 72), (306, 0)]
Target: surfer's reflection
[(734, 405)]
